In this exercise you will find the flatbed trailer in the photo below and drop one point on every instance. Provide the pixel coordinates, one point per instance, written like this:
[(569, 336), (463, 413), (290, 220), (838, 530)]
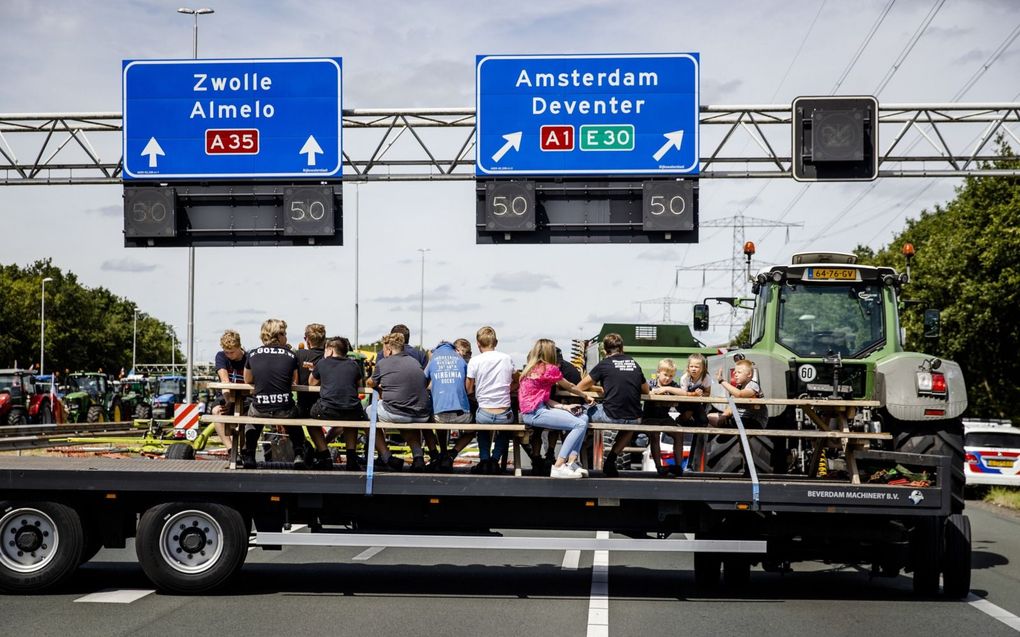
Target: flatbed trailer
[(194, 521)]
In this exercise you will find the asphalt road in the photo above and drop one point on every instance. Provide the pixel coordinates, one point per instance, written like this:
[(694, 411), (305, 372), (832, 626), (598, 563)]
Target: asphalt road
[(340, 591)]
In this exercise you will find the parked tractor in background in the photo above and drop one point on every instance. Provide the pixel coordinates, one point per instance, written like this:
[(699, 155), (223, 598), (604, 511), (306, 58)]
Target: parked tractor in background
[(135, 396), (170, 391), (825, 326), (91, 397), (25, 400)]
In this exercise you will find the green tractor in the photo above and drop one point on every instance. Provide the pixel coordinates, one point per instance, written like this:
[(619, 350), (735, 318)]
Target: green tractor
[(135, 396), (826, 327), (91, 397)]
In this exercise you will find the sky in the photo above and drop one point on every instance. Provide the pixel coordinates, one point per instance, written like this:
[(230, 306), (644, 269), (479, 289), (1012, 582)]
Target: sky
[(65, 57)]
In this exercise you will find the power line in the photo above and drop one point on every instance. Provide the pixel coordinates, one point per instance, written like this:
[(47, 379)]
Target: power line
[(909, 47), (864, 45), (991, 60), (799, 49)]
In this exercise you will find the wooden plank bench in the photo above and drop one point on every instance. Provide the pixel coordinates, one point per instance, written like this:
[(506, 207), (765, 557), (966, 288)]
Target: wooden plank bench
[(837, 408), (518, 430)]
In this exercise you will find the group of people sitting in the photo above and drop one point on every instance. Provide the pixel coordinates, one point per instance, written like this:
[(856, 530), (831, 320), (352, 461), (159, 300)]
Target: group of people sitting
[(453, 386)]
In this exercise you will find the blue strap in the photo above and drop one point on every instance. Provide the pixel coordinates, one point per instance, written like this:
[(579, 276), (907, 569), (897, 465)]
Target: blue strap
[(755, 491), (370, 445)]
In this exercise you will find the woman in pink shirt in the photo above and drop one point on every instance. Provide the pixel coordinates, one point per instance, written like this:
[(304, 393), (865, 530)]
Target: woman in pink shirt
[(538, 409)]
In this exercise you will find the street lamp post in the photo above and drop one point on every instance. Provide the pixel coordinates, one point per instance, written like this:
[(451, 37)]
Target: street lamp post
[(134, 341), (191, 249), (421, 319), (42, 327)]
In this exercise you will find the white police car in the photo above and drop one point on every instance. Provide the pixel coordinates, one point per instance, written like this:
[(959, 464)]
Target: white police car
[(992, 449)]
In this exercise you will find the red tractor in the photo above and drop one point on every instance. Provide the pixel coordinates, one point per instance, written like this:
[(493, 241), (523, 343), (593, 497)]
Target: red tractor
[(25, 399)]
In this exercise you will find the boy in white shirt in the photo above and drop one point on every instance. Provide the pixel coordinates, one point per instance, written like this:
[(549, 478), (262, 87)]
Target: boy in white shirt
[(490, 376)]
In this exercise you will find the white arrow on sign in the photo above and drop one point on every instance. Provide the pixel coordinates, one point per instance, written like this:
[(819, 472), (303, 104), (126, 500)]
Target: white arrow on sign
[(152, 149), (513, 140), (310, 148), (673, 140)]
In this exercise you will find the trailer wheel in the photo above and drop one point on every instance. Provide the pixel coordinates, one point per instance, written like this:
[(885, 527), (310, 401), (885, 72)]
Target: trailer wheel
[(927, 548), (706, 571), (724, 454), (937, 438), (42, 544), (956, 559), (180, 451), (187, 547)]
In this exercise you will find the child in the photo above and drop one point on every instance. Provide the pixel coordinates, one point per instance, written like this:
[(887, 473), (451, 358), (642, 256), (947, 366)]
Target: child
[(657, 412), (743, 386), (538, 409), (696, 382), (490, 377)]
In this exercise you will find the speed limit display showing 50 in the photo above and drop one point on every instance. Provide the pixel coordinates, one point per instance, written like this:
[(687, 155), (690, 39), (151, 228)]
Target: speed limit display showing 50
[(668, 205), (308, 211)]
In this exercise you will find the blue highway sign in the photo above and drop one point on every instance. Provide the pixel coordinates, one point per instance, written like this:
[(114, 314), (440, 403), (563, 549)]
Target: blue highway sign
[(587, 114), (232, 119)]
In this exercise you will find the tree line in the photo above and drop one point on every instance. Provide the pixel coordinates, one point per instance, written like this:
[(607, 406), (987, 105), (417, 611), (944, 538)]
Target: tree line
[(86, 328)]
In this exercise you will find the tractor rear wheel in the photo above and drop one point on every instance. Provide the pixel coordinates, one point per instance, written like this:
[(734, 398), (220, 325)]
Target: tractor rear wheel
[(95, 414), (936, 438), (46, 413)]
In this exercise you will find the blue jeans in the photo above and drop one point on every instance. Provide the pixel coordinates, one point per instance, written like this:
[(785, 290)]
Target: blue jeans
[(483, 417), (561, 420), (598, 414), (388, 416)]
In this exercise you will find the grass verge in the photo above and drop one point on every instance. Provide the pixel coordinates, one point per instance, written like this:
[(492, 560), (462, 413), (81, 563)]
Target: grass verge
[(1008, 497)]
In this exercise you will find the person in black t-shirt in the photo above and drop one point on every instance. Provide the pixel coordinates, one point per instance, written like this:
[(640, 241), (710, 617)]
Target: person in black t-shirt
[(340, 379), (623, 383), (315, 341), (230, 362), (315, 338), (272, 369)]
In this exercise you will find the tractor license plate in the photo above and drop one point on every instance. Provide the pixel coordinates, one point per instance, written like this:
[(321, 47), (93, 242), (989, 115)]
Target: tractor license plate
[(845, 389), (1000, 463), (831, 274)]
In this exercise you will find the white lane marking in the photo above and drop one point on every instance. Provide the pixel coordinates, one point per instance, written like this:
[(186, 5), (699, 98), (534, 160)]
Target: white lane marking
[(994, 611), (598, 602), (368, 553), (571, 559), (689, 536), (125, 596)]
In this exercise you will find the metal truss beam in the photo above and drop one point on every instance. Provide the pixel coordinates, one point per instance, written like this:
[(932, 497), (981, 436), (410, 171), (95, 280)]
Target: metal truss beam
[(437, 144)]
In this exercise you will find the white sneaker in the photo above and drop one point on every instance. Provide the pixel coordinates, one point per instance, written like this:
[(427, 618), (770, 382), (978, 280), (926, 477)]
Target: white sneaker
[(564, 471), (578, 468)]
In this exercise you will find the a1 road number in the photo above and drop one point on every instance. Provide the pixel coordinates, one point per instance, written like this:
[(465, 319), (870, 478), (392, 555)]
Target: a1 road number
[(232, 141)]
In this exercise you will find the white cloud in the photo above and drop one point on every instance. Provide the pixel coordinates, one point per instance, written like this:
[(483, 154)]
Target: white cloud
[(522, 281), (126, 265)]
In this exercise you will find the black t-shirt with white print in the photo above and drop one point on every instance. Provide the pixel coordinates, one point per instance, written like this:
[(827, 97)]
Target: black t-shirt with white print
[(339, 379), (621, 377), (273, 367)]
